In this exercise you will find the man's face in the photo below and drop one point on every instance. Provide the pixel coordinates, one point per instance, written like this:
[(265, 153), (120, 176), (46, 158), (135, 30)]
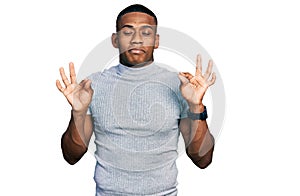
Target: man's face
[(136, 39)]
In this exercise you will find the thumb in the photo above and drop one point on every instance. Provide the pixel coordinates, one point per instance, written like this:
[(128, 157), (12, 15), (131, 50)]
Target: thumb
[(183, 79)]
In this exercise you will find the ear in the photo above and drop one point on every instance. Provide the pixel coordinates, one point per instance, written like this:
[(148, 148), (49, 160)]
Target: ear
[(114, 40), (156, 43)]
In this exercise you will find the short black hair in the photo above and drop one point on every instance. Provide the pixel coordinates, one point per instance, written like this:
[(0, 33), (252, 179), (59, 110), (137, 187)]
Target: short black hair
[(135, 8)]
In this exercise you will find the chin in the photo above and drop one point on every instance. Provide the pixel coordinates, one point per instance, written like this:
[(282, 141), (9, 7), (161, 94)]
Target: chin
[(136, 63)]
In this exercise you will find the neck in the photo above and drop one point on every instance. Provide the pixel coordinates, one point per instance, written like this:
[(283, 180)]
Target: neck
[(136, 65)]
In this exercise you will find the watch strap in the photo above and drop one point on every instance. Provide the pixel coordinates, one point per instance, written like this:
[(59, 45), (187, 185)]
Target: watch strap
[(198, 116)]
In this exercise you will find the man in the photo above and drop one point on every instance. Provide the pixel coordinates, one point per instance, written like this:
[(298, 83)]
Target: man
[(137, 110)]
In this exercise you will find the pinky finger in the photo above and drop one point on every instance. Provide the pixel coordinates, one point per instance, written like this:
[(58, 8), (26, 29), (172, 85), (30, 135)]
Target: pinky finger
[(213, 79), (59, 86)]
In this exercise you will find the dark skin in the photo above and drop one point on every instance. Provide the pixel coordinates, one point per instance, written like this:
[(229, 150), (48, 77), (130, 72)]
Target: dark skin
[(136, 41), (76, 138)]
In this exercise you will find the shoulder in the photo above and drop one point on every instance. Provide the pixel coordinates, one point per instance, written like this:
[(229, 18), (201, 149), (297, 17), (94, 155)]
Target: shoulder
[(169, 77), (168, 74), (102, 74)]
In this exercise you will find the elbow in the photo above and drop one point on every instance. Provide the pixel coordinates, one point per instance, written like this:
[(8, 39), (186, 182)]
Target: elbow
[(71, 161), (72, 153), (202, 164), (71, 157)]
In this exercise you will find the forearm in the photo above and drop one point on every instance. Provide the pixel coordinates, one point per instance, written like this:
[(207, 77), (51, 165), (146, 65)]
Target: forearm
[(201, 145), (73, 141)]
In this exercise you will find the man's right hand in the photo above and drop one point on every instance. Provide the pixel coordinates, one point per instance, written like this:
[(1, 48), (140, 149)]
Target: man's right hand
[(78, 95)]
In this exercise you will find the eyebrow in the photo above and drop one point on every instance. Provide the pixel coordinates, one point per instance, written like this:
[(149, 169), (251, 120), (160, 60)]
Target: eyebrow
[(128, 26), (131, 27)]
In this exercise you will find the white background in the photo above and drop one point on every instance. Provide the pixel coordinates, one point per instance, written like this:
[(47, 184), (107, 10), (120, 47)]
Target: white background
[(255, 45)]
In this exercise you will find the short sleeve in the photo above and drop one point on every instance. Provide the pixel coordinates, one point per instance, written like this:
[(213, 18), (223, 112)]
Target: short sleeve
[(92, 78), (184, 107)]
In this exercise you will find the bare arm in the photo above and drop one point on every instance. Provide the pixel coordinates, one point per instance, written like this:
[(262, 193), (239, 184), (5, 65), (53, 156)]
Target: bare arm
[(75, 140), (198, 140)]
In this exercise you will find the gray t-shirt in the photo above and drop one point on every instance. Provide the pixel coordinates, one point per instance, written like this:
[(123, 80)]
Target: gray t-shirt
[(135, 113)]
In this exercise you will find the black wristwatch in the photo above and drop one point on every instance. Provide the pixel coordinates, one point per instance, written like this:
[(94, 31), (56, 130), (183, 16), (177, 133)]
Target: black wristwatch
[(198, 116)]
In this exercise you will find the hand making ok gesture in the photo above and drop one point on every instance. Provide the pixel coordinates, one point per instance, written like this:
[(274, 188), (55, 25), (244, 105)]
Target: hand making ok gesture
[(78, 95), (192, 87)]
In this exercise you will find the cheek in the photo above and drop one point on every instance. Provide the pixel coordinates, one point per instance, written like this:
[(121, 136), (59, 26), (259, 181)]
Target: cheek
[(147, 40), (150, 42), (124, 41)]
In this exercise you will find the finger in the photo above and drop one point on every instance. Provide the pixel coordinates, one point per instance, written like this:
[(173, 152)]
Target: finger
[(213, 79), (82, 83), (59, 86), (183, 79), (72, 73), (187, 75), (63, 76), (195, 81), (198, 65), (208, 70), (87, 84)]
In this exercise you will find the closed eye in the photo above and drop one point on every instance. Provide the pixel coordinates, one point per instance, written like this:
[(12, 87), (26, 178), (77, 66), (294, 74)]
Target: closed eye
[(127, 32), (146, 33)]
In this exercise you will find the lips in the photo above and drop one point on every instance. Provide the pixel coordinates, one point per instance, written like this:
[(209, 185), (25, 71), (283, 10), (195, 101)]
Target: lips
[(136, 51)]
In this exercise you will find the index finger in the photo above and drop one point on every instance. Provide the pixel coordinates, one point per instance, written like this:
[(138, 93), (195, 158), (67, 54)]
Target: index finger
[(198, 65), (72, 73)]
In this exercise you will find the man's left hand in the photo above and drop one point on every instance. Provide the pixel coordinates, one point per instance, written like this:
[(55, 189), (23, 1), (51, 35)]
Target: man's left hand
[(193, 88)]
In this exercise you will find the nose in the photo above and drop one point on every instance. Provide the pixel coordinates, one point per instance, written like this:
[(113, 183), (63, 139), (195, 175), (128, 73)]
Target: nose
[(136, 39)]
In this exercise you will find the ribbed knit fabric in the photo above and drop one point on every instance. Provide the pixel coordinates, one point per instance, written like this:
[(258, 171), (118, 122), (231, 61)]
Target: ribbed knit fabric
[(135, 113)]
